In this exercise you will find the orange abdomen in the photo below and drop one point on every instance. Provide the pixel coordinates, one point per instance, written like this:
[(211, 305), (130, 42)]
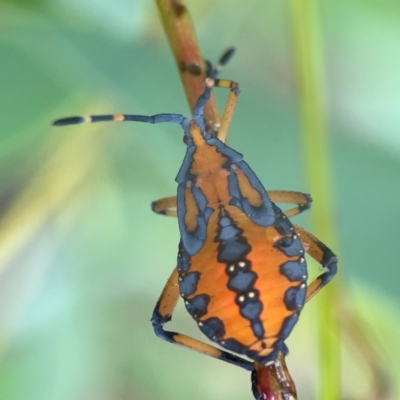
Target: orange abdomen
[(246, 286)]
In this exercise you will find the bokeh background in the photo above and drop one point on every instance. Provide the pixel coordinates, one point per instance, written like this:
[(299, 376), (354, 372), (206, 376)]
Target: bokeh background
[(82, 258)]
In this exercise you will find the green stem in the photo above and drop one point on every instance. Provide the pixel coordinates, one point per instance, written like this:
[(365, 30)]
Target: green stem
[(311, 91)]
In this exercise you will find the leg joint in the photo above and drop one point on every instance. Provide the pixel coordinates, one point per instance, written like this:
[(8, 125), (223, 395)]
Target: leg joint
[(307, 205), (164, 335), (331, 266), (157, 319)]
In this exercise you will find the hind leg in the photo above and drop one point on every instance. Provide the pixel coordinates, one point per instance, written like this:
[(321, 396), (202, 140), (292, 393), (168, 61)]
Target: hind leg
[(321, 253), (163, 313)]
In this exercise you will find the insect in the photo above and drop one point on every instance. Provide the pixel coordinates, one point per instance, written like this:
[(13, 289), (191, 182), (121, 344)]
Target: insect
[(241, 268)]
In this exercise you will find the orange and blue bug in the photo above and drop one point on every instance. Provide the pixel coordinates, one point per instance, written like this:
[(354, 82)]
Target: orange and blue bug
[(241, 267)]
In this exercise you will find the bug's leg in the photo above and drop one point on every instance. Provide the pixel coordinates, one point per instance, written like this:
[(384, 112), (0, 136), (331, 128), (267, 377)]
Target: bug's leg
[(230, 104), (321, 253), (302, 200), (162, 314), (165, 206), (211, 82)]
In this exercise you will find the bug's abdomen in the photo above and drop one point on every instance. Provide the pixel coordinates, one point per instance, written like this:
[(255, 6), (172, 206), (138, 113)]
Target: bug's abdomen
[(246, 286)]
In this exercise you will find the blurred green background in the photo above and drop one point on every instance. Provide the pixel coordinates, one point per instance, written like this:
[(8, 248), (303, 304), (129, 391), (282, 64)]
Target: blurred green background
[(82, 258)]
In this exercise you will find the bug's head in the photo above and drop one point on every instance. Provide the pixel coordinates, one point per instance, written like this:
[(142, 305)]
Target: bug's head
[(273, 381), (198, 112)]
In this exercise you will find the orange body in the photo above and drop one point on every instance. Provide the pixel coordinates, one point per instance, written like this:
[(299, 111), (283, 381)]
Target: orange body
[(258, 329)]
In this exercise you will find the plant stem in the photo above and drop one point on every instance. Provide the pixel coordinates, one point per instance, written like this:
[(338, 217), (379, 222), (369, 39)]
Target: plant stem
[(189, 60), (311, 91)]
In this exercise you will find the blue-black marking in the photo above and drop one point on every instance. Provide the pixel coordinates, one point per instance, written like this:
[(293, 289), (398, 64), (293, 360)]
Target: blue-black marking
[(197, 306), (183, 260), (307, 205), (238, 348), (294, 297), (242, 281), (327, 254), (227, 230), (290, 245), (294, 270), (233, 248), (193, 240), (328, 261), (101, 118), (251, 310), (263, 215), (188, 283), (213, 328), (183, 173), (287, 326), (69, 121), (282, 223), (233, 345)]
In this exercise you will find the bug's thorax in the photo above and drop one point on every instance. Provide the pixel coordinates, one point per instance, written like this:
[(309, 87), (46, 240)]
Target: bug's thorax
[(208, 168)]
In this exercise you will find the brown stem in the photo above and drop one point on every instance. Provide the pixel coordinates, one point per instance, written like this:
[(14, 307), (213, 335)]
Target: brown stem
[(189, 60), (273, 381)]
